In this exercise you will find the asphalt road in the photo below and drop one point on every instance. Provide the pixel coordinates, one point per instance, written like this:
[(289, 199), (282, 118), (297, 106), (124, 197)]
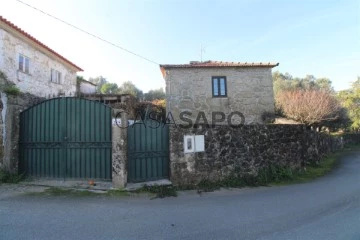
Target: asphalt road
[(327, 208)]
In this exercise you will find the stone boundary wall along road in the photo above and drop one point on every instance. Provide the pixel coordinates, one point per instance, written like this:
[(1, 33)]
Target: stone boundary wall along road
[(248, 148)]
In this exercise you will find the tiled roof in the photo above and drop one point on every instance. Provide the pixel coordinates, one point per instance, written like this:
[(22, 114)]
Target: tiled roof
[(28, 36), (197, 64), (86, 81)]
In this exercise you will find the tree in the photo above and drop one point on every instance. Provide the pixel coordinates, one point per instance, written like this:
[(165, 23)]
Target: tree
[(99, 81), (312, 107), (324, 83), (130, 88), (286, 82), (80, 78), (156, 94), (350, 99), (109, 88)]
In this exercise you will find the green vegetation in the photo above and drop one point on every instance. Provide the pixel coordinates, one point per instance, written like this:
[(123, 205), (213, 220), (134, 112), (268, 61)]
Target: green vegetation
[(350, 99), (57, 191), (286, 82), (71, 192), (159, 191), (11, 90), (7, 87), (7, 177), (309, 100), (156, 94), (106, 87), (314, 102), (117, 193)]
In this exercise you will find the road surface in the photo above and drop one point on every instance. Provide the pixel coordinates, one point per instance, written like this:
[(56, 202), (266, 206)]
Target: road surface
[(327, 208)]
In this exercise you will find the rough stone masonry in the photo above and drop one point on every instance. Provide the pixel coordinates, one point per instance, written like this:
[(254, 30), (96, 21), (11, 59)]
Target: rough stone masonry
[(248, 148)]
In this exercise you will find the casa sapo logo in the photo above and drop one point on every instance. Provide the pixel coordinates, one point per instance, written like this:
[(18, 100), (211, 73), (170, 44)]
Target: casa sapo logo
[(186, 119)]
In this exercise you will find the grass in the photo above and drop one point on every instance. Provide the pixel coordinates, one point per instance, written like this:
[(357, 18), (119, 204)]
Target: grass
[(70, 192), (117, 193), (158, 191), (12, 90), (155, 191), (312, 172), (57, 191), (7, 177)]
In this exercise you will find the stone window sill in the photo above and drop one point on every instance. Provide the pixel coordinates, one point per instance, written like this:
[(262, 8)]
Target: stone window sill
[(21, 76), (55, 83)]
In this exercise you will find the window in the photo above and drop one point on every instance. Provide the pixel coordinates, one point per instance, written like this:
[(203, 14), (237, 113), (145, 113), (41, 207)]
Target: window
[(219, 87), (55, 76), (24, 64)]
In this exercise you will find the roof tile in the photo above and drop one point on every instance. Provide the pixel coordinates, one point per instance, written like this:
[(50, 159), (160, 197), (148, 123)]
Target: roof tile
[(197, 64)]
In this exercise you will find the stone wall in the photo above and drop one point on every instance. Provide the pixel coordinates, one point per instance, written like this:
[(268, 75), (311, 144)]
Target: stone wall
[(10, 126), (351, 138), (249, 91), (248, 148), (37, 81)]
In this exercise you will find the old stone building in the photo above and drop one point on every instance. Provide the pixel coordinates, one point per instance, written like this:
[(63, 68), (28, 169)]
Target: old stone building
[(86, 87), (30, 72), (32, 66), (213, 87)]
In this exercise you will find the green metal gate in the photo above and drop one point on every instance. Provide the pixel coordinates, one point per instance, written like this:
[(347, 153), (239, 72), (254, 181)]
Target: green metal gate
[(66, 138), (148, 151)]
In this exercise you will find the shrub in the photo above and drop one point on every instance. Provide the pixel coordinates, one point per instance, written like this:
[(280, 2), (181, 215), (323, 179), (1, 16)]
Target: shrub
[(7, 177), (12, 90), (309, 106)]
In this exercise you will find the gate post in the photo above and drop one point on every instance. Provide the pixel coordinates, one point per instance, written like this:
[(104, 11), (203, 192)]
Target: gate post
[(119, 150)]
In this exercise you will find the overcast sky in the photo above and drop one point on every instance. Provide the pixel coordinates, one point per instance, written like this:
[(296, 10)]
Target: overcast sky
[(319, 37)]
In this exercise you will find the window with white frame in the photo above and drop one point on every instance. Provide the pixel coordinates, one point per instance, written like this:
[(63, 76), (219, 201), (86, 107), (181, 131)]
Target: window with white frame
[(24, 64), (55, 76)]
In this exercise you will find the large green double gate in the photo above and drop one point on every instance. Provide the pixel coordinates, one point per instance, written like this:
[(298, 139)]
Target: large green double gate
[(148, 151), (66, 138)]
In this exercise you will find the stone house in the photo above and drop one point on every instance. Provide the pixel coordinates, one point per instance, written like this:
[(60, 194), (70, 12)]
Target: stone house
[(221, 90), (32, 66), (38, 72), (86, 87)]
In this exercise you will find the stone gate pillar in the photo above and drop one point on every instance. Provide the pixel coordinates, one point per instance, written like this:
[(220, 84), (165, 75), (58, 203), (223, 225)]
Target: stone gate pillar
[(119, 149)]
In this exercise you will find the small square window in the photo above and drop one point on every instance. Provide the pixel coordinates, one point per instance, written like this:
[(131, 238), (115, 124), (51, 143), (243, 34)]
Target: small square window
[(24, 64), (55, 76), (219, 87)]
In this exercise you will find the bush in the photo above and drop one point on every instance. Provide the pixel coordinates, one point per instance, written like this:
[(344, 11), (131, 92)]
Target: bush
[(12, 90), (7, 177), (309, 106)]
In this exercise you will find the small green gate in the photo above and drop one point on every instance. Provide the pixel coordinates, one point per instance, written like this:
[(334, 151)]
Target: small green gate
[(148, 151), (66, 138)]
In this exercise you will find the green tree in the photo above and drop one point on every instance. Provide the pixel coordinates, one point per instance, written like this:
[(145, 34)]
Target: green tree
[(324, 83), (350, 99), (286, 82), (99, 81), (156, 94), (109, 88), (129, 88)]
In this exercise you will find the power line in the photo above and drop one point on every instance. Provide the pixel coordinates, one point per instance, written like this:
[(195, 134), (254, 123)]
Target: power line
[(88, 33)]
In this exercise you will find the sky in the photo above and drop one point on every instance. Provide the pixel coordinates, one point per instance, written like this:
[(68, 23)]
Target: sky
[(318, 37)]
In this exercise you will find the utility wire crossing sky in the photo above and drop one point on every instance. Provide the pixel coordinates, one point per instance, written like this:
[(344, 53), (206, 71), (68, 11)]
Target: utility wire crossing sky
[(306, 37)]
